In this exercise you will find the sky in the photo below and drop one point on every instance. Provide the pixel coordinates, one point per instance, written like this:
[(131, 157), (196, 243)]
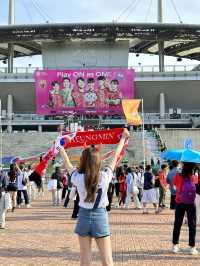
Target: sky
[(72, 11)]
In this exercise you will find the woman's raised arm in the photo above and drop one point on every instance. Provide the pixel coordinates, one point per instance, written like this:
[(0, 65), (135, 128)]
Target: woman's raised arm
[(120, 145), (66, 160)]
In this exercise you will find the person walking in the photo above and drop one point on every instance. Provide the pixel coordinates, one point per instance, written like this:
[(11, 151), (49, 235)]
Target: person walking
[(149, 192), (31, 188), (122, 187), (22, 181), (163, 185), (116, 181), (140, 181), (92, 185), (129, 185), (185, 203), (57, 192), (173, 171), (12, 186), (64, 181), (3, 188)]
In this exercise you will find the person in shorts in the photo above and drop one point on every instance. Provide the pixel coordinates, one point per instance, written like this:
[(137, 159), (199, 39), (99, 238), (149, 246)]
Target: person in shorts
[(92, 186)]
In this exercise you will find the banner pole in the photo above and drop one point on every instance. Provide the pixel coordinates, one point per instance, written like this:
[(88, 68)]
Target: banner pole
[(143, 136)]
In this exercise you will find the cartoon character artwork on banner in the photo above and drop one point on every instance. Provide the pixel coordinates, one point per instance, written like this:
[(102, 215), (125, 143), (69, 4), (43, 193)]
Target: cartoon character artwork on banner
[(85, 91)]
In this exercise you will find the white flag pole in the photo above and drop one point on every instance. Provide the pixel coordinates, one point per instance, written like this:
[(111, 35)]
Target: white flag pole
[(143, 136)]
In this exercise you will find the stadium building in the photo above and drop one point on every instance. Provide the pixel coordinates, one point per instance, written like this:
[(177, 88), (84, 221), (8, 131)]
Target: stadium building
[(164, 89), (170, 94)]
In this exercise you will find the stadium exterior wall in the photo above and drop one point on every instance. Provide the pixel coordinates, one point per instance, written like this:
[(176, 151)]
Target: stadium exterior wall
[(182, 94), (23, 96), (85, 53), (174, 138)]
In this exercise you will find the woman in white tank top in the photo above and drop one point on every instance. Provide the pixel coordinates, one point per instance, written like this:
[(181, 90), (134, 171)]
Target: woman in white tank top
[(92, 185)]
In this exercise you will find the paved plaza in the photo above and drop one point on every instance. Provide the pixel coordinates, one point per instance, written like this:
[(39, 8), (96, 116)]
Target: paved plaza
[(43, 235)]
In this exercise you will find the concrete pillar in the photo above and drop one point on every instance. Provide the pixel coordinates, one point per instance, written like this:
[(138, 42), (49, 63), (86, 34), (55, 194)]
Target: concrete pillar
[(9, 112), (160, 11), (161, 56), (10, 107), (162, 108), (162, 105), (40, 128), (9, 128)]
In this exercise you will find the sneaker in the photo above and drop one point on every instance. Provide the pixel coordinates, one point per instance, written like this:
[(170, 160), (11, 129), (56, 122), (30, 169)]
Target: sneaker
[(193, 251), (27, 206), (175, 249), (2, 227), (74, 217)]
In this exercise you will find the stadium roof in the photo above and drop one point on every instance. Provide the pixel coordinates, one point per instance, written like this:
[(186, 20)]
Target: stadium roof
[(180, 40)]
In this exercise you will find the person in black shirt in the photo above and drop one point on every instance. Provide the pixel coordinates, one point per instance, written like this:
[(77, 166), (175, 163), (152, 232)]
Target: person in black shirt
[(12, 186), (57, 193), (149, 193)]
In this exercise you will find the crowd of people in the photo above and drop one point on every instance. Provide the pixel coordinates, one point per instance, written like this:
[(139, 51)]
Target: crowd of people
[(92, 189)]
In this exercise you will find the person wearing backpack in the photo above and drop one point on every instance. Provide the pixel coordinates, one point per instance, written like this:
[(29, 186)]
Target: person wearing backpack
[(197, 200), (22, 181), (185, 202), (12, 186)]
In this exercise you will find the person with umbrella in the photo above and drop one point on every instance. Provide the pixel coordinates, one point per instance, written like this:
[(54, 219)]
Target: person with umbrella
[(173, 171), (185, 195)]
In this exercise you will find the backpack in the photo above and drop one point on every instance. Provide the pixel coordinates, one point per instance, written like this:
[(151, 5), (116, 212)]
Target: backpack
[(188, 191)]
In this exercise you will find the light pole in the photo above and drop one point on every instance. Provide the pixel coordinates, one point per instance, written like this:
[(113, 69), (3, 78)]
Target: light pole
[(11, 21), (160, 42)]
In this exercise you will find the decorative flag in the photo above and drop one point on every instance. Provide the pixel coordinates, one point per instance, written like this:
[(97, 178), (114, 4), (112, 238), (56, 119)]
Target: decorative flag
[(130, 108)]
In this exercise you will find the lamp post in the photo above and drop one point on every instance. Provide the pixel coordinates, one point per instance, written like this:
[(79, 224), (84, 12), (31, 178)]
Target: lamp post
[(11, 21), (160, 42)]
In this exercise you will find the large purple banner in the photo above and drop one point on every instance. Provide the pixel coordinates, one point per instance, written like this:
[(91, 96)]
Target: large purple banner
[(84, 91)]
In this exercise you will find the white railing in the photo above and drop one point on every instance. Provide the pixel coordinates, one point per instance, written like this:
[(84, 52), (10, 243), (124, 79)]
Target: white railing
[(138, 68), (147, 116), (167, 68)]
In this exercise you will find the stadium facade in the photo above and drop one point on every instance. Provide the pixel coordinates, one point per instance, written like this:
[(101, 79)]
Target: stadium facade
[(171, 98)]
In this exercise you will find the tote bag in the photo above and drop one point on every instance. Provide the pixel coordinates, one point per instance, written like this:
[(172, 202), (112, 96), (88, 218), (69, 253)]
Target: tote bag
[(52, 184), (7, 201)]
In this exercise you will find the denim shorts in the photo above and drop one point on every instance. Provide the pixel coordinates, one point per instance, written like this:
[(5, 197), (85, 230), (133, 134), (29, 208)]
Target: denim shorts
[(92, 223)]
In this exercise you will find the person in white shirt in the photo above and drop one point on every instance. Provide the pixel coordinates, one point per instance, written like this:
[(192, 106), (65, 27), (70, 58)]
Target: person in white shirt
[(92, 185), (22, 181), (132, 189), (31, 187)]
